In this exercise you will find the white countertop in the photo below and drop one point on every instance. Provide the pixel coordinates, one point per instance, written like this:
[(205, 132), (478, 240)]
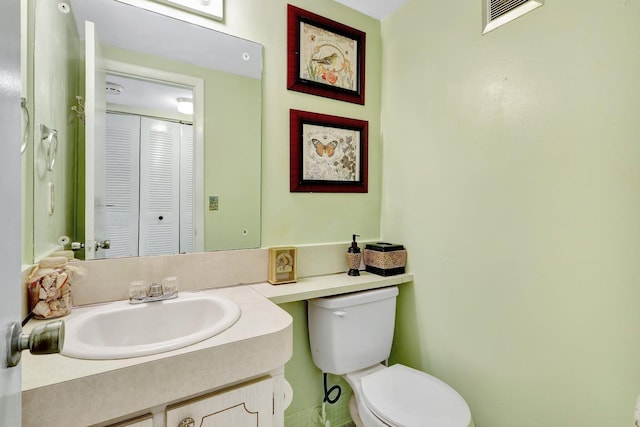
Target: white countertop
[(322, 286)]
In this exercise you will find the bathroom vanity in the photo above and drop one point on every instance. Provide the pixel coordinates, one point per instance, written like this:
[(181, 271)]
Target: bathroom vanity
[(238, 373)]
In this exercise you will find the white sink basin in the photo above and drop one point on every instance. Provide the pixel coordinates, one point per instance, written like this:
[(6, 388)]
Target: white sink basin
[(120, 330)]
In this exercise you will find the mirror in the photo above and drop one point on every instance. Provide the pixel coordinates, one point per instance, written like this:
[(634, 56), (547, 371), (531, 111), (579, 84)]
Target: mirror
[(219, 72)]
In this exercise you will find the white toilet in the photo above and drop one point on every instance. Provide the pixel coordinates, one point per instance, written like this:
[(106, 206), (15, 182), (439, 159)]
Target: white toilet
[(351, 335)]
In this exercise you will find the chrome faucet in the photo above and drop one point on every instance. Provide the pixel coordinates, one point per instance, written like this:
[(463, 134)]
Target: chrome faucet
[(155, 292)]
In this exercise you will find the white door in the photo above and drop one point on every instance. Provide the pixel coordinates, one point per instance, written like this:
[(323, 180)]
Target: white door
[(95, 128), (146, 212), (10, 217), (122, 184), (159, 187)]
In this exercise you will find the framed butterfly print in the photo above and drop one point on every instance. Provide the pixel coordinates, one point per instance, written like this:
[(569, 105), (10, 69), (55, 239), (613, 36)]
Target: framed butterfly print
[(328, 154), (324, 57)]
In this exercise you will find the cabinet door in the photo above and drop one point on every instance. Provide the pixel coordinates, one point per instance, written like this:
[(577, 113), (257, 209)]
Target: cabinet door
[(249, 405)]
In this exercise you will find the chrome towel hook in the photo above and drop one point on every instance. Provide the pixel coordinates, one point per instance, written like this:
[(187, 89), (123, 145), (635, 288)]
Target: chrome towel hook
[(25, 129), (49, 138)]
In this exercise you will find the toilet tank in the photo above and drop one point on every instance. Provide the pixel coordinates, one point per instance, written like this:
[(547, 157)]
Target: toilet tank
[(352, 331)]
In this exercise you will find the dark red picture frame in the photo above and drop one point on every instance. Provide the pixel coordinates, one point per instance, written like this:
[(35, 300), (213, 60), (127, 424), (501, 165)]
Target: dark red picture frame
[(297, 181), (296, 16)]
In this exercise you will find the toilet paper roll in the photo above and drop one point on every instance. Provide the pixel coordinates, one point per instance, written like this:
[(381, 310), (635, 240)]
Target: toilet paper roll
[(63, 240), (288, 394)]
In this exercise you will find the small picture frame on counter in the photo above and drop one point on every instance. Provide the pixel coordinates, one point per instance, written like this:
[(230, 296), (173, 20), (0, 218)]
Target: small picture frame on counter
[(283, 265)]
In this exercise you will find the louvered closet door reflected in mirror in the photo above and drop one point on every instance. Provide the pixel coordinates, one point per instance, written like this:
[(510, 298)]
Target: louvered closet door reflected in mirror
[(149, 188)]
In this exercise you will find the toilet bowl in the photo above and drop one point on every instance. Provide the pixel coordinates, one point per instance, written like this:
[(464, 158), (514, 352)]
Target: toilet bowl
[(351, 335), (400, 396)]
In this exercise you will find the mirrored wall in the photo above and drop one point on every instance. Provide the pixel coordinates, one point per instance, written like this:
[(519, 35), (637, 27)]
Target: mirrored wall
[(221, 77)]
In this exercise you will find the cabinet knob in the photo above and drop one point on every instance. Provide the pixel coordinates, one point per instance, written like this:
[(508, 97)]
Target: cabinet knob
[(187, 422)]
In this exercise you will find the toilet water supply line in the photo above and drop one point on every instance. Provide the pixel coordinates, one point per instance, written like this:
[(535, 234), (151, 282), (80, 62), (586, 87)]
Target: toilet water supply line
[(322, 418), (327, 392)]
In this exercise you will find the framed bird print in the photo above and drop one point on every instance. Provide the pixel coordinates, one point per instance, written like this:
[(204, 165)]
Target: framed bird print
[(328, 154), (325, 57), (283, 265)]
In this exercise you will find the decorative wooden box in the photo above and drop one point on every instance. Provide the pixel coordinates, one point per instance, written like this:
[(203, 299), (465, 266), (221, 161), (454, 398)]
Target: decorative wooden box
[(385, 259)]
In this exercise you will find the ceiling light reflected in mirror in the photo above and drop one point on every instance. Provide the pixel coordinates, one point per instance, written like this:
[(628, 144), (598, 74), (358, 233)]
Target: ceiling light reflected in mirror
[(185, 105)]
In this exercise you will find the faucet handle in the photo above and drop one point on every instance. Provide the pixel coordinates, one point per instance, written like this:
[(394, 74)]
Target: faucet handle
[(155, 290), (170, 286), (138, 291)]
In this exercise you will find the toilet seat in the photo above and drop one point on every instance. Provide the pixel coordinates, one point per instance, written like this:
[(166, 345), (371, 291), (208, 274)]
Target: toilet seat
[(404, 397)]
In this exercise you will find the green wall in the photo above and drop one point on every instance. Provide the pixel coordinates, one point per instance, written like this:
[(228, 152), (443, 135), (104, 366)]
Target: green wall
[(55, 67), (511, 172), (236, 124)]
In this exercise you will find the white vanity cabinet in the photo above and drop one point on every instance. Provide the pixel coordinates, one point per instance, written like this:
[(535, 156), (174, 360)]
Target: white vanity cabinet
[(248, 405), (256, 403)]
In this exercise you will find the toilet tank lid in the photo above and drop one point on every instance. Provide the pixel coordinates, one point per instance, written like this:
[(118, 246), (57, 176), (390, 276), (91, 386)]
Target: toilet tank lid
[(355, 298)]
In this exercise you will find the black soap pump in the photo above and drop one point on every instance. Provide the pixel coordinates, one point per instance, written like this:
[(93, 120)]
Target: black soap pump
[(354, 258)]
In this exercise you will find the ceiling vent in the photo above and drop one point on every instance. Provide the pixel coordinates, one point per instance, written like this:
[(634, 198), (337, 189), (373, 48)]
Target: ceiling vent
[(498, 12)]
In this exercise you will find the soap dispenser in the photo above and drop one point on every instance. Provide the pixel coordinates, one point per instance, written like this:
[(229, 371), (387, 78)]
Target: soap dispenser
[(354, 258)]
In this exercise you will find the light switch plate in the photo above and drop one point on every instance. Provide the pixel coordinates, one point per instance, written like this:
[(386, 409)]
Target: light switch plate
[(213, 203)]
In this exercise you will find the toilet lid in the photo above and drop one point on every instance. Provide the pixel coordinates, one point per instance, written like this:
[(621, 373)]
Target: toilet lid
[(405, 397)]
